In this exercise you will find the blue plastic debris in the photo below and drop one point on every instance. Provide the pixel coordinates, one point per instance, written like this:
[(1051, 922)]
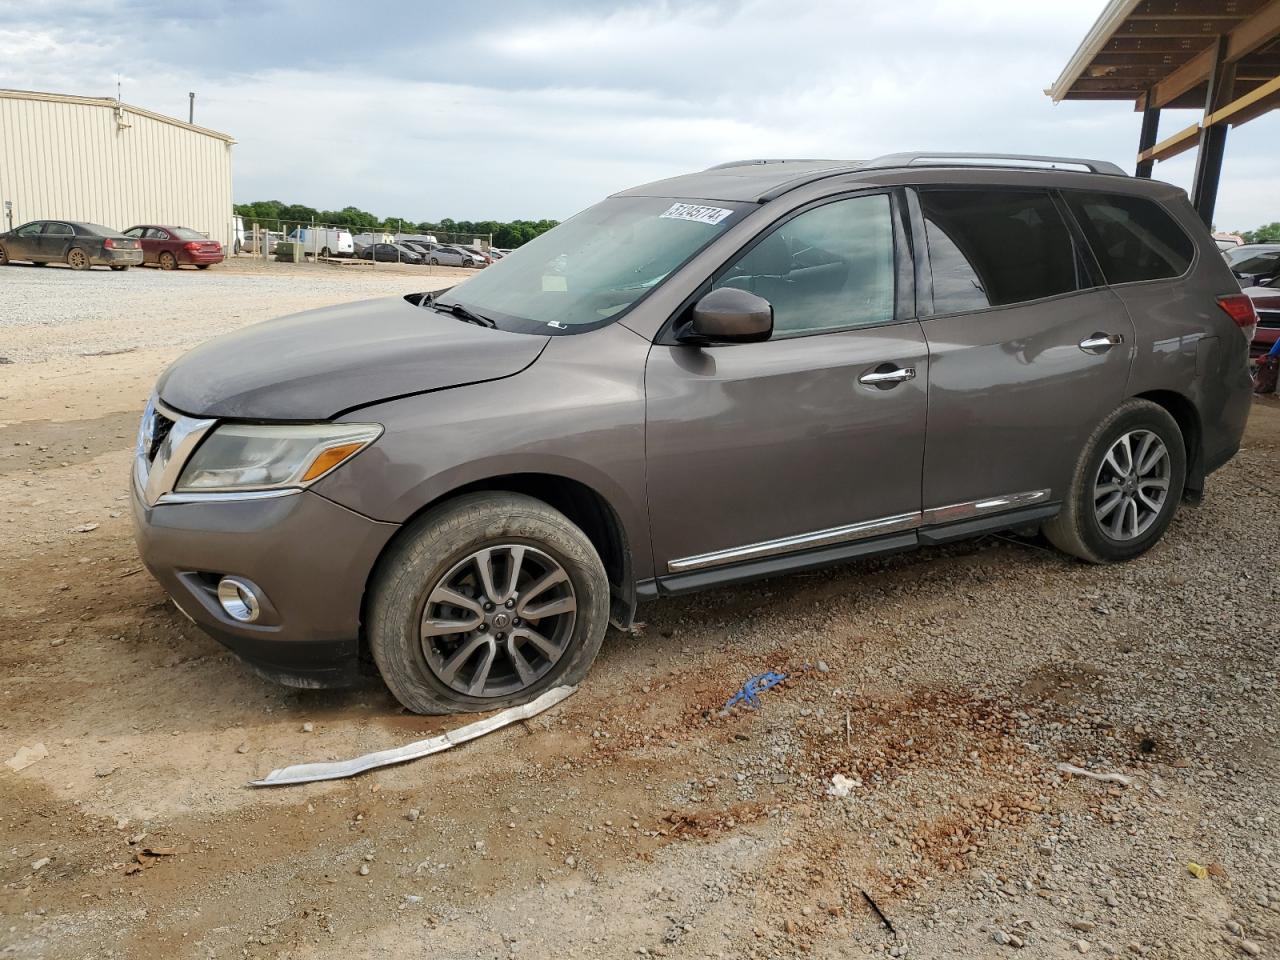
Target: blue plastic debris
[(753, 687)]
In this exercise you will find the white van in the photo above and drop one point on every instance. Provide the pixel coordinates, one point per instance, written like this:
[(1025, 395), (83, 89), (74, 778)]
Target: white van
[(324, 241)]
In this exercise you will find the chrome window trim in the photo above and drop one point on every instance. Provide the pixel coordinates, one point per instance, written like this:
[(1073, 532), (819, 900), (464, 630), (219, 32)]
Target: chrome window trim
[(859, 531)]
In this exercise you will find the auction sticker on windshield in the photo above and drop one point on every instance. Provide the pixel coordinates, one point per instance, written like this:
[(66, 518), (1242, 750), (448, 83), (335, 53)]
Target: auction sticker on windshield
[(696, 212)]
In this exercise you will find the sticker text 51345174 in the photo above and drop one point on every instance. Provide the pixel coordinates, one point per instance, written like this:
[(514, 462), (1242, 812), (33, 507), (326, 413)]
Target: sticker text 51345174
[(696, 212)]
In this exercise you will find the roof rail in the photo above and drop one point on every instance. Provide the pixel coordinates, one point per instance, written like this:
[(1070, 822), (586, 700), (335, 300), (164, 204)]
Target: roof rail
[(752, 163), (996, 159)]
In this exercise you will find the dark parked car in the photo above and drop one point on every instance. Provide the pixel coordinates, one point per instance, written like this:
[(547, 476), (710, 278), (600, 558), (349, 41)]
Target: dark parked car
[(171, 247), (1255, 264), (79, 245), (389, 253), (755, 369)]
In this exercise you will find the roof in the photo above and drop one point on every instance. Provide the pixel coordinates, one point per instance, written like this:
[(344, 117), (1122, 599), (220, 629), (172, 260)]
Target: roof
[(756, 181), (1164, 51), (112, 103)]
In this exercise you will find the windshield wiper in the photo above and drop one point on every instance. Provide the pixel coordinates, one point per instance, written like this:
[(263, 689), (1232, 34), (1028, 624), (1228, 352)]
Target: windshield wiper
[(462, 313)]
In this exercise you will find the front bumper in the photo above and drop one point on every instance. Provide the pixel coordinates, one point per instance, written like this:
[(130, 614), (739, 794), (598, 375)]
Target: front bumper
[(310, 557)]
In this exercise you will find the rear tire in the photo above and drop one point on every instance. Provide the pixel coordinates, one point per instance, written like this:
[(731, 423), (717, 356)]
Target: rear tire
[(436, 558), (203, 266), (77, 259), (435, 262), (1119, 505), (4, 257), (167, 261), (121, 269)]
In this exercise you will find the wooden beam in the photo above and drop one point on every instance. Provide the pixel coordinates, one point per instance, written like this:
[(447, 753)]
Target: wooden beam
[(1180, 142), (1135, 58), (1175, 28), (1252, 105), (1196, 8), (1254, 32), (1120, 44), (1243, 38), (1192, 73)]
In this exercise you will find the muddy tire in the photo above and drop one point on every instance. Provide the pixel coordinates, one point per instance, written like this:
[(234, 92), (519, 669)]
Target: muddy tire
[(167, 261), (485, 602), (1125, 488), (4, 257), (77, 259)]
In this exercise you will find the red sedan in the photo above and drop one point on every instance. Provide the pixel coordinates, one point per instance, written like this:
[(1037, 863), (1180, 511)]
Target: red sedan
[(1266, 301), (171, 247)]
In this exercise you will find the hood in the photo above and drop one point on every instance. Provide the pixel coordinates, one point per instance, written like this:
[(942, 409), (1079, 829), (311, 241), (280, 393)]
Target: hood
[(317, 364)]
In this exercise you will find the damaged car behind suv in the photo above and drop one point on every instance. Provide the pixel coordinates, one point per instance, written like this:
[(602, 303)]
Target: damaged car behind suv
[(706, 380)]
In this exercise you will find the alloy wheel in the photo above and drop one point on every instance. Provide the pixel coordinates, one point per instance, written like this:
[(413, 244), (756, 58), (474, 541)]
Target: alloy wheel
[(498, 621), (77, 260), (1132, 485)]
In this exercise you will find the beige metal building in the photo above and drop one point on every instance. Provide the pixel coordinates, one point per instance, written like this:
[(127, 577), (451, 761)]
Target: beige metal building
[(99, 160)]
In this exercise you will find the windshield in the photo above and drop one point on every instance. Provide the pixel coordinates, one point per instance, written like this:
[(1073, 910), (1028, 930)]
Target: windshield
[(591, 269), (1258, 263)]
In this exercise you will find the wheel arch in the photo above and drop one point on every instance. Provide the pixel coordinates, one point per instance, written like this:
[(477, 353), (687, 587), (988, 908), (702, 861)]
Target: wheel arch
[(586, 507), (1187, 416)]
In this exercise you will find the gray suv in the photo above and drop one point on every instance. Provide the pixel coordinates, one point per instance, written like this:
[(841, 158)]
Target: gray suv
[(760, 368)]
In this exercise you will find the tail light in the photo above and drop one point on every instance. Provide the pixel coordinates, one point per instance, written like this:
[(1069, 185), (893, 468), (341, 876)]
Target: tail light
[(108, 244), (1239, 307), (193, 246)]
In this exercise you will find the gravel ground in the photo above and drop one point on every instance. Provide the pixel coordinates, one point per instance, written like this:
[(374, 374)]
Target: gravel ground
[(943, 687)]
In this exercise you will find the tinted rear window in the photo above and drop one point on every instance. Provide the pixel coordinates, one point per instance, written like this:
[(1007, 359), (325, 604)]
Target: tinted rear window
[(988, 248), (1133, 239)]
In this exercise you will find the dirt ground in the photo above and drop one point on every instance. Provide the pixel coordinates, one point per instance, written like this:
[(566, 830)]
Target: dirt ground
[(635, 818)]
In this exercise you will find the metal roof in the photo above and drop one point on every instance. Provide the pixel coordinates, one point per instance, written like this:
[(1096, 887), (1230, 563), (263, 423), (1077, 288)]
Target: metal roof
[(1164, 50), (111, 103)]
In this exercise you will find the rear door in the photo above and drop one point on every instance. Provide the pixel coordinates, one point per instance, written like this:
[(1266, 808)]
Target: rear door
[(56, 240), (1028, 351), (812, 440)]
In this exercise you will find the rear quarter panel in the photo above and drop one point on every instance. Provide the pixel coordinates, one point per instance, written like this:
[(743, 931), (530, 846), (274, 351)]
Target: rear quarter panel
[(1186, 343)]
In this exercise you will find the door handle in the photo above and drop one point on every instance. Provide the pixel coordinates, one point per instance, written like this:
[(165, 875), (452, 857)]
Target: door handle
[(1101, 342), (880, 377)]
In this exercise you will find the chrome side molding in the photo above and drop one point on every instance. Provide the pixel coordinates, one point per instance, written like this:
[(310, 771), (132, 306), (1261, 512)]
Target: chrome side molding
[(859, 531), (980, 508)]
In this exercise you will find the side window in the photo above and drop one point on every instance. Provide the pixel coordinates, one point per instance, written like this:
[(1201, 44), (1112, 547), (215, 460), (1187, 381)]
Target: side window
[(1133, 238), (30, 230), (829, 268), (59, 230), (136, 233), (989, 248)]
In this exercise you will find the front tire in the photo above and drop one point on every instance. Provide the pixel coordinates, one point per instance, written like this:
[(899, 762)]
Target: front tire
[(1125, 488), (435, 262), (485, 602), (168, 261)]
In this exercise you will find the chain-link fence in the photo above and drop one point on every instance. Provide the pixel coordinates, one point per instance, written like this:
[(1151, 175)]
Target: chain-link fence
[(293, 241)]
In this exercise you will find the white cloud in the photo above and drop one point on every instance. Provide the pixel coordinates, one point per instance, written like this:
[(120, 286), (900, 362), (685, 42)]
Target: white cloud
[(537, 109)]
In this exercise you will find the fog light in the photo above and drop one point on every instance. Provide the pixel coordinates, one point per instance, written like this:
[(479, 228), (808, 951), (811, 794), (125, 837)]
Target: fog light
[(239, 599)]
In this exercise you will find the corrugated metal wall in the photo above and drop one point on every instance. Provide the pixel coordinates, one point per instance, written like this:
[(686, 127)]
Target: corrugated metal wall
[(61, 158)]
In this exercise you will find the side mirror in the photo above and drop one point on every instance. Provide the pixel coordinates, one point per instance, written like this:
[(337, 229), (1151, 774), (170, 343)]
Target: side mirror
[(730, 315)]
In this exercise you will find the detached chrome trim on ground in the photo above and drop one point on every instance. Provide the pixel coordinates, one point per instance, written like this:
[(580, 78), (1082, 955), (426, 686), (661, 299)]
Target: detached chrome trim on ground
[(859, 531), (337, 770)]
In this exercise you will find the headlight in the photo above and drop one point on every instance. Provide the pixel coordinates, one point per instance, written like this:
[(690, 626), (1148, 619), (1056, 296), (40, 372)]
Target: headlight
[(255, 457)]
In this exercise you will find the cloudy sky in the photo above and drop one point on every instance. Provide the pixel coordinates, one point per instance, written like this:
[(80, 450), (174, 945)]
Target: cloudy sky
[(515, 108)]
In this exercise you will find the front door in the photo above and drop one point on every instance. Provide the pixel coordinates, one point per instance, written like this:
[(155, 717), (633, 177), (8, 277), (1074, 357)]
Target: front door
[(1027, 351), (25, 244), (812, 439)]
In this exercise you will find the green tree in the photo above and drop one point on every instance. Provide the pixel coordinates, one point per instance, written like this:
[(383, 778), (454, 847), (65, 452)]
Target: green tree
[(1270, 233)]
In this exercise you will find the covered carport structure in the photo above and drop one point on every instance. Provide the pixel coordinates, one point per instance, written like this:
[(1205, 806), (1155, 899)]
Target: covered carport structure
[(1221, 57)]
